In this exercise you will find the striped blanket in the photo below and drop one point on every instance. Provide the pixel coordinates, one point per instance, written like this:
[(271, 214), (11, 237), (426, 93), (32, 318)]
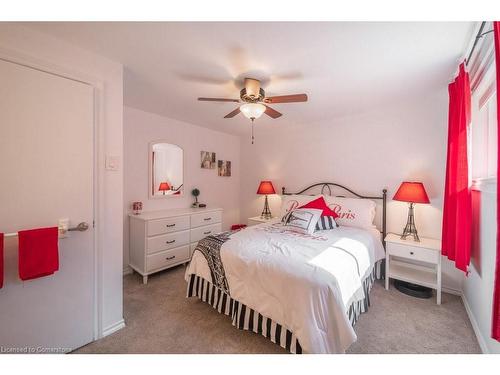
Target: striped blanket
[(210, 248)]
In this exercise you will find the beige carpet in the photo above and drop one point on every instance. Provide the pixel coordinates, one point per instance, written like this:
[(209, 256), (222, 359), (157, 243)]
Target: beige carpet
[(160, 319)]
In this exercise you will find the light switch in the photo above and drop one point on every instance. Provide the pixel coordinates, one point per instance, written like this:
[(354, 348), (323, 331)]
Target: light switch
[(112, 163)]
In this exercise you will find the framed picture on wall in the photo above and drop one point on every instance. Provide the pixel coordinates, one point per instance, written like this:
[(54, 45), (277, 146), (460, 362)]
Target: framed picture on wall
[(207, 160), (224, 168)]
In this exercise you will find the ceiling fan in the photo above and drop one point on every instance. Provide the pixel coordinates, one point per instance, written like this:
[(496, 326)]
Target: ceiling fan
[(255, 102)]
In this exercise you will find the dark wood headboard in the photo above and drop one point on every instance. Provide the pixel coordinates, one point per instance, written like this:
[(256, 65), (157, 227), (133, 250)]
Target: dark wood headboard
[(328, 186)]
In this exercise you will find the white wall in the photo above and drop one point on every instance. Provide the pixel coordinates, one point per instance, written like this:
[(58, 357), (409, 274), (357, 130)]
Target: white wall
[(47, 49), (366, 152), (140, 128), (478, 286)]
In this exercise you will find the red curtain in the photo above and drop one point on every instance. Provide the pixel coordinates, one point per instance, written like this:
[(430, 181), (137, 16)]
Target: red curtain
[(457, 211), (495, 326)]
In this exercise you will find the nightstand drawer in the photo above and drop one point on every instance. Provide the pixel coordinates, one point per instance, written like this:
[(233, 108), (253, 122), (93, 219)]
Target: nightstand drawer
[(411, 252)]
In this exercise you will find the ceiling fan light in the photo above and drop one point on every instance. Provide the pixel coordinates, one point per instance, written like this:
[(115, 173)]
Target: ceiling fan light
[(252, 110)]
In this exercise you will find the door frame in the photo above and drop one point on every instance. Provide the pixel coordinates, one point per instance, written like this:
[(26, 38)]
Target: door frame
[(49, 67)]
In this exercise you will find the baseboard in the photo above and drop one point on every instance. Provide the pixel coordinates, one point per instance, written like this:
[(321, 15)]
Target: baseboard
[(475, 326), (113, 328), (455, 292), (127, 270)]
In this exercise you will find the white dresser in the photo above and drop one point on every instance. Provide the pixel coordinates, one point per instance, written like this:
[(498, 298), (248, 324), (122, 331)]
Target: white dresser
[(163, 239)]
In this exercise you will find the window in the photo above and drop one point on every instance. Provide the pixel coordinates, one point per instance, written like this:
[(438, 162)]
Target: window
[(484, 137), (483, 128)]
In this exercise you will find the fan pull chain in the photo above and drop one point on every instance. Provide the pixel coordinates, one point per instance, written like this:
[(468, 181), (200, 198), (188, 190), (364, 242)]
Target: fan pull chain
[(252, 132)]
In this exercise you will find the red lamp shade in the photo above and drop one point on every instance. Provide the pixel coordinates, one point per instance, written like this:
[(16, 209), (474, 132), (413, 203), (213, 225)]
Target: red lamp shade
[(164, 186), (413, 192), (266, 187)]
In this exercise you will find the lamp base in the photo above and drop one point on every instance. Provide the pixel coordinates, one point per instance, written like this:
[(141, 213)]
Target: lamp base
[(266, 212), (413, 290), (410, 228)]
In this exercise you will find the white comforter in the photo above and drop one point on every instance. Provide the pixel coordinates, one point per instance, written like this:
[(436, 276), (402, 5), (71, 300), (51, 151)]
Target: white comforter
[(305, 283)]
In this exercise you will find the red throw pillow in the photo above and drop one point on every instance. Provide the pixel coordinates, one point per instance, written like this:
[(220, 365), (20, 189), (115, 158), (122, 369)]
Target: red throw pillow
[(320, 204)]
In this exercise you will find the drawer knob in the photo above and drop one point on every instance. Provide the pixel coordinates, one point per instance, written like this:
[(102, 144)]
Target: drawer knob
[(170, 225), (411, 252), (170, 258), (207, 232), (207, 218), (171, 241)]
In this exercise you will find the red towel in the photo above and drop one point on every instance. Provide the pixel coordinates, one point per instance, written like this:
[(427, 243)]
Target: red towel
[(1, 260), (38, 252)]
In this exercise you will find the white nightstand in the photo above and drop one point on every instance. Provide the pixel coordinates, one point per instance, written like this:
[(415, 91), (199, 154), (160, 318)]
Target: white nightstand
[(257, 220), (427, 252)]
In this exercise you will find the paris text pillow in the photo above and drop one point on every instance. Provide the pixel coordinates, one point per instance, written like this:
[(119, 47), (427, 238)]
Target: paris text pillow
[(353, 212)]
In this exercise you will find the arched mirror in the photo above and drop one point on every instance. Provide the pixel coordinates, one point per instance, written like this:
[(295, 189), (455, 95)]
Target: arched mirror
[(166, 170)]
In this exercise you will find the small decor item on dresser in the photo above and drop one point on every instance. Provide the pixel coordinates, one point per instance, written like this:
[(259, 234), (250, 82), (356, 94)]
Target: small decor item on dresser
[(137, 207), (207, 160), (266, 188), (195, 193), (411, 192), (224, 168)]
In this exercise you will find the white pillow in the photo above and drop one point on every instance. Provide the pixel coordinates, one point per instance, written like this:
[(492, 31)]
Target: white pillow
[(291, 202), (353, 212), (302, 220)]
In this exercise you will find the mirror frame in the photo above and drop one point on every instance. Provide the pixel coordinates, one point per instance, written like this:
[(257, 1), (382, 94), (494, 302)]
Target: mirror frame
[(150, 171)]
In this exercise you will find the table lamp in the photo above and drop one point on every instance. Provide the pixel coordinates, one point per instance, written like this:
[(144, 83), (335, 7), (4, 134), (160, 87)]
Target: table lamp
[(266, 188), (411, 192), (164, 186)]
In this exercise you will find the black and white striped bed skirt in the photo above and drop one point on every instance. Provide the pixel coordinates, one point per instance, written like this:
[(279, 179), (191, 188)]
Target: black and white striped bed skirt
[(248, 319)]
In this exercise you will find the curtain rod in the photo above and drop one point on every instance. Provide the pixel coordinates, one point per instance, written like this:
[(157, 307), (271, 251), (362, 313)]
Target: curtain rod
[(479, 35)]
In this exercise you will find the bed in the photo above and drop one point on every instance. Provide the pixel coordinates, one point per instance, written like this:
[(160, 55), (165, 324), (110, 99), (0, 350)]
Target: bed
[(303, 292)]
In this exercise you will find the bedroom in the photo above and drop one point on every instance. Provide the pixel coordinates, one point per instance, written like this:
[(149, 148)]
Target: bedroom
[(240, 187)]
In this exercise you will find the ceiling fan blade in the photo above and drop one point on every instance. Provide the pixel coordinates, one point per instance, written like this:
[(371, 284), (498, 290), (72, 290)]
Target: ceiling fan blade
[(232, 114), (286, 99), (218, 100), (272, 112)]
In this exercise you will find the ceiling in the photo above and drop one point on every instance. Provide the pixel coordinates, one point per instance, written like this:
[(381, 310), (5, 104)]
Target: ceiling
[(344, 67)]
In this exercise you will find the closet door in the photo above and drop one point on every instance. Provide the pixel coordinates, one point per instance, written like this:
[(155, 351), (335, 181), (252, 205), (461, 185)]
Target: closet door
[(46, 169)]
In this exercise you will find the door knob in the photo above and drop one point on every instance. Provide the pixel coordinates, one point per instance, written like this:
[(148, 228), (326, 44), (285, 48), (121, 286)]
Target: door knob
[(82, 227)]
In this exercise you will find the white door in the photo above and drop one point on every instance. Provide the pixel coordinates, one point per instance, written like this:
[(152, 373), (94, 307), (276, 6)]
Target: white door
[(46, 174)]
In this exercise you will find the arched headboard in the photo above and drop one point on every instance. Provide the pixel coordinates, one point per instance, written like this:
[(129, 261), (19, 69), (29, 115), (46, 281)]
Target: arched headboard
[(327, 186)]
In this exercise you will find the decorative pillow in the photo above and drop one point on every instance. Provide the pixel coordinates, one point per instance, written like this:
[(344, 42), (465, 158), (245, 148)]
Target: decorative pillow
[(291, 202), (327, 219), (302, 220), (353, 212), (326, 223)]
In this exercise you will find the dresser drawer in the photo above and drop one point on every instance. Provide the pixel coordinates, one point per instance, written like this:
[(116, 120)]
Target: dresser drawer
[(201, 232), (167, 241), (166, 258), (197, 220), (416, 253), (171, 224)]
